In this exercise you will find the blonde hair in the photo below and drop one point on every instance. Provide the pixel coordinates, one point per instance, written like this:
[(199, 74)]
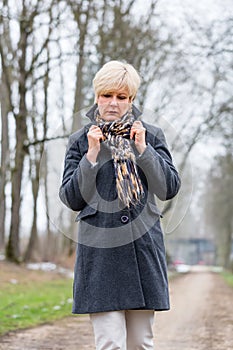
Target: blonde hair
[(116, 75)]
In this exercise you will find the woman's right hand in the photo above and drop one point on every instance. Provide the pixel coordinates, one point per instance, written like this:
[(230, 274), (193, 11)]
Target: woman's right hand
[(94, 136)]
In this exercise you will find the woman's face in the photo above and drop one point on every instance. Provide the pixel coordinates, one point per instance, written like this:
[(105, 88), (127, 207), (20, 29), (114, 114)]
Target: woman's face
[(113, 104)]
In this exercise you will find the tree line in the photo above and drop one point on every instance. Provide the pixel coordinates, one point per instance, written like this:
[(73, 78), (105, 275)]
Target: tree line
[(41, 41)]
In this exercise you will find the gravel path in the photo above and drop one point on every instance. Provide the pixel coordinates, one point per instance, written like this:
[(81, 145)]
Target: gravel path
[(200, 318)]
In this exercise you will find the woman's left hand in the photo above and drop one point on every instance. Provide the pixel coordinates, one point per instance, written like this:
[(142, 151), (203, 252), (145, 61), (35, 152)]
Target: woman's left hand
[(138, 132)]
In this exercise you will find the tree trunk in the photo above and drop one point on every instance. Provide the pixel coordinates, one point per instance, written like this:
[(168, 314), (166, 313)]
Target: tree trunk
[(13, 249), (33, 241), (227, 248), (47, 251), (78, 103), (4, 158)]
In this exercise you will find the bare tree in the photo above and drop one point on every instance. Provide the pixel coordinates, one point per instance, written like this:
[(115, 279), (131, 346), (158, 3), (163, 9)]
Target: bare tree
[(219, 206), (210, 75), (100, 31), (17, 89), (4, 157), (82, 12), (13, 252), (6, 107), (110, 30), (36, 150)]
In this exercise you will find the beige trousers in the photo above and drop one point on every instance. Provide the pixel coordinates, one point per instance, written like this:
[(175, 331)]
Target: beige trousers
[(123, 330)]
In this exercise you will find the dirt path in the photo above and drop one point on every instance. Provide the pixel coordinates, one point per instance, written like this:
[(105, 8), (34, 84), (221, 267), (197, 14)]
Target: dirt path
[(200, 319)]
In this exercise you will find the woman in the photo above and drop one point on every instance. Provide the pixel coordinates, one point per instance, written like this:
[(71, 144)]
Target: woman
[(114, 167)]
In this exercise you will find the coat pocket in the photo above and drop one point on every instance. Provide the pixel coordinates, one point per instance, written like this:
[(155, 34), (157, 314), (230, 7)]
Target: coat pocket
[(88, 210)]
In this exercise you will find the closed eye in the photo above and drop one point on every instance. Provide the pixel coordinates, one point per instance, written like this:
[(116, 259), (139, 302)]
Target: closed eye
[(119, 97), (107, 95)]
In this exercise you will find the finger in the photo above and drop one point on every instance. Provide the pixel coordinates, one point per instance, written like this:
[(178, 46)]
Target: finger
[(95, 135), (94, 130), (137, 132), (137, 124), (94, 127), (132, 133)]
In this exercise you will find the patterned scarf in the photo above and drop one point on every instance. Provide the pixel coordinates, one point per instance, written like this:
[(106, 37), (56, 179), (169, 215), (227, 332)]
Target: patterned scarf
[(117, 136)]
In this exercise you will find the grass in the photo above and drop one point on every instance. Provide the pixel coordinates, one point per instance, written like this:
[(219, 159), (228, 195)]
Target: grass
[(228, 276), (28, 304), (29, 298)]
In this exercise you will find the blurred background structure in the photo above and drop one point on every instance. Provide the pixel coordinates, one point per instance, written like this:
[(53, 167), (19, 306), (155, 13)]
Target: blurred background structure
[(49, 53)]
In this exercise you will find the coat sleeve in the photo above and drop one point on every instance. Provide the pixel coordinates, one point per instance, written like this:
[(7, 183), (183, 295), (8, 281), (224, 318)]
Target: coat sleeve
[(156, 163), (79, 177)]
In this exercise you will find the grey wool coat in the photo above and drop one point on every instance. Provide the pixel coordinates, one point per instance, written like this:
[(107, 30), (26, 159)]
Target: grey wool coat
[(120, 261)]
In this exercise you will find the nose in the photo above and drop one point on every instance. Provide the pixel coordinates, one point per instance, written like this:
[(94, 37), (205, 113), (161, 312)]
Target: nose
[(113, 101)]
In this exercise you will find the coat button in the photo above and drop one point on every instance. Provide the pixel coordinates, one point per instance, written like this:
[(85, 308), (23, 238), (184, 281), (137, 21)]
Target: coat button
[(124, 219)]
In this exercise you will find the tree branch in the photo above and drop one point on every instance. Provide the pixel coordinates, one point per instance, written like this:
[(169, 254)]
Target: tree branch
[(28, 144)]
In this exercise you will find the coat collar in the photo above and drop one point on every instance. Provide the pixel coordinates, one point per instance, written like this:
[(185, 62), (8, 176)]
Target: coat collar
[(91, 113)]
